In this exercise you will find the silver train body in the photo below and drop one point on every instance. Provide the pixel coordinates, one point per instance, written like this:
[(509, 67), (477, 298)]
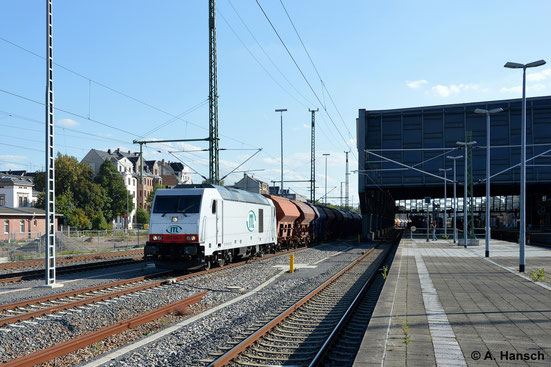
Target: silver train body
[(196, 226)]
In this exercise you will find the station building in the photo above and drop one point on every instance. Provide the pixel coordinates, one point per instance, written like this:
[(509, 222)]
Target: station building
[(423, 137)]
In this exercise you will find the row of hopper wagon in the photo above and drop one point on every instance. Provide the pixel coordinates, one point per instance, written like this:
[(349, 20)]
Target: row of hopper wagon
[(300, 223)]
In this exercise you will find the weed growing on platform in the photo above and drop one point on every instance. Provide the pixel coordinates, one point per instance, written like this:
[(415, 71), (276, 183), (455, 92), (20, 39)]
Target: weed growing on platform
[(385, 271), (405, 329), (538, 274)]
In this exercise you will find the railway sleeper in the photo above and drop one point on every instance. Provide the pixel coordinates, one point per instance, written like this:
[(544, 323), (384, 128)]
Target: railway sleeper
[(314, 346), (292, 359), (318, 328), (309, 336)]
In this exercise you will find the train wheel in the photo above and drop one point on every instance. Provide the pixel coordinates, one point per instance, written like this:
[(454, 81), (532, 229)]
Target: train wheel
[(207, 263), (221, 259)]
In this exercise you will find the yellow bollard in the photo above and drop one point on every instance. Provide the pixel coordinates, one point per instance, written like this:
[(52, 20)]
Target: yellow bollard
[(358, 238), (292, 263)]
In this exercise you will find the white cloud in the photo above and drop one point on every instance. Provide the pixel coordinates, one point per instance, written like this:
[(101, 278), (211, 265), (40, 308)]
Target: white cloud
[(8, 162), (305, 126), (539, 76), (13, 158), (416, 83), (518, 88), (67, 123), (448, 90)]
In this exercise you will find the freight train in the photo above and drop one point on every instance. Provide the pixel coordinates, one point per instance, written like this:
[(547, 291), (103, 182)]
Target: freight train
[(199, 226)]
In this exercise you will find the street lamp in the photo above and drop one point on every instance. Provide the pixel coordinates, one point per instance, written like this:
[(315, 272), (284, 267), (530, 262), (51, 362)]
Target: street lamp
[(326, 155), (454, 198), (465, 210), (522, 237), (281, 110), (445, 200), (488, 113)]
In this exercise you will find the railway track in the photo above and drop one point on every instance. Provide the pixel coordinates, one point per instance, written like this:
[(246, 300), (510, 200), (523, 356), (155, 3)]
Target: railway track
[(26, 311), (302, 333), (71, 259), (38, 273)]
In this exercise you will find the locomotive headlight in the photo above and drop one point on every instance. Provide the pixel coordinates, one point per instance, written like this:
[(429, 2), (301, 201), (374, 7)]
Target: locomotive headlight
[(174, 219), (193, 238), (157, 237), (188, 238)]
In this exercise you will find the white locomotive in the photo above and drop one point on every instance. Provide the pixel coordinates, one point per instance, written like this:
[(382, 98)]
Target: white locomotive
[(194, 226)]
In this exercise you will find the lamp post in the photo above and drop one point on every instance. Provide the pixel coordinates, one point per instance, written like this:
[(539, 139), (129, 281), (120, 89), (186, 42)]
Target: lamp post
[(326, 155), (488, 128), (465, 210), (454, 198), (445, 200), (281, 110), (522, 235)]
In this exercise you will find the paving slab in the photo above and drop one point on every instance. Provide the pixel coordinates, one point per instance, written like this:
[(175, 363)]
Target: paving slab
[(444, 305)]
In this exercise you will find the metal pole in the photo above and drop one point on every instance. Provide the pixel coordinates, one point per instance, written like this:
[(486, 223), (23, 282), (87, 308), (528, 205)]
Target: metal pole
[(445, 205), (428, 220), (347, 184), (313, 157), (281, 121), (281, 110), (127, 214), (522, 238), (488, 235), (213, 98), (50, 157), (522, 235), (445, 170), (326, 154), (454, 205), (465, 210)]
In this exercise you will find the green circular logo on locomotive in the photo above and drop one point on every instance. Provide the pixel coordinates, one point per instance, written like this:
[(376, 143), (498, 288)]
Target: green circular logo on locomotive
[(251, 221)]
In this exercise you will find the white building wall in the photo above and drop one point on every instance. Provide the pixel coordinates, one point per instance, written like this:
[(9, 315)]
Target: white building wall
[(12, 194)]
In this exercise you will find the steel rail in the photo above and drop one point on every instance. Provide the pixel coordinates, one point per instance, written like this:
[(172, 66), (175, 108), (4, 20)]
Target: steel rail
[(70, 259), (77, 292), (332, 337), (33, 274), (24, 315), (85, 340), (73, 304), (242, 346)]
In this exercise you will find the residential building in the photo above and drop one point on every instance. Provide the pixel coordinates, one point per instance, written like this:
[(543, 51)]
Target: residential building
[(22, 223), (16, 191), (251, 184), (149, 181), (124, 164), (174, 173)]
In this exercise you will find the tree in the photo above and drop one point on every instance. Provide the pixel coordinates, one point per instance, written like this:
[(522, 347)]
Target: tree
[(112, 182), (142, 216), (98, 222)]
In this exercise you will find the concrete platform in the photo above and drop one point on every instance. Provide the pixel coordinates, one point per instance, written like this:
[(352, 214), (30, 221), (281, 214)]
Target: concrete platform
[(444, 305)]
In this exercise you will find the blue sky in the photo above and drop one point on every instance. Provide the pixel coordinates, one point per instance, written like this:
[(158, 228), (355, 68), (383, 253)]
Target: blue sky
[(369, 54)]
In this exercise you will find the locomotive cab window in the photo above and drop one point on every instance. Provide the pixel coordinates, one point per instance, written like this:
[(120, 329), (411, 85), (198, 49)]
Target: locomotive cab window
[(177, 204), (260, 220)]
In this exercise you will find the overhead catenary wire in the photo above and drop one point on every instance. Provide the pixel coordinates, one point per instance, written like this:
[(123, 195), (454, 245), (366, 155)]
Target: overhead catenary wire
[(315, 68), (111, 89), (268, 56), (302, 74)]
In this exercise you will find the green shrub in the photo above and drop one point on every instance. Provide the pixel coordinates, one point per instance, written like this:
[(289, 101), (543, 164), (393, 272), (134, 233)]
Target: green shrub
[(538, 274)]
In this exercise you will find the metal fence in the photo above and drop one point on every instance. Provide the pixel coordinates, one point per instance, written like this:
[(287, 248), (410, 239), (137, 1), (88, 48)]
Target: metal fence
[(28, 245), (479, 233)]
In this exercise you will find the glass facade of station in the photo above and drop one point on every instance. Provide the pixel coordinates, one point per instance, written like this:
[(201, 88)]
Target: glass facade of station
[(422, 137)]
